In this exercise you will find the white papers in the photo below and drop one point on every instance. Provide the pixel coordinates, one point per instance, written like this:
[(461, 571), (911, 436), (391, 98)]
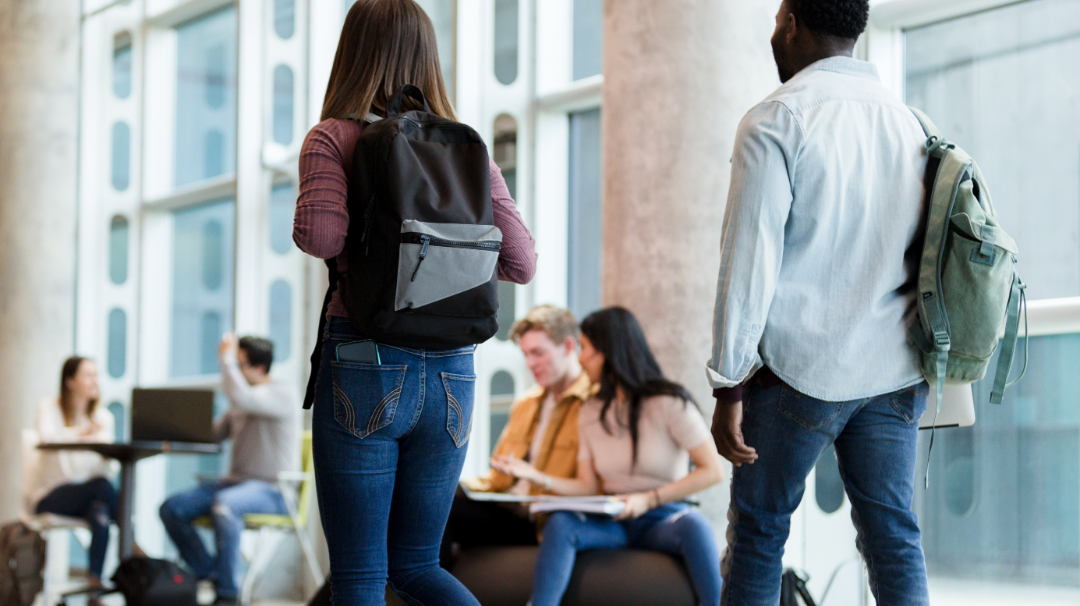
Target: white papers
[(598, 505), (496, 497)]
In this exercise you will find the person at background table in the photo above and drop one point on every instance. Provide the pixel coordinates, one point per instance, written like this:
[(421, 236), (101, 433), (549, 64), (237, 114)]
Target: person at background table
[(75, 483), (638, 436), (263, 422), (542, 429)]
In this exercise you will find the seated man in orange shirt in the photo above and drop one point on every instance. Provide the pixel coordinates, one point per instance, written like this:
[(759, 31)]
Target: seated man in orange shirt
[(542, 429)]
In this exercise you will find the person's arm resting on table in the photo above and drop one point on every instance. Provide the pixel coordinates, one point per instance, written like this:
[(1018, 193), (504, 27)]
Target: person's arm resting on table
[(752, 249)]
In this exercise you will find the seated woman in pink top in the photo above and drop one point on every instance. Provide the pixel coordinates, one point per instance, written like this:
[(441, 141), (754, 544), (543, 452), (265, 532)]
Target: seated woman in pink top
[(638, 436)]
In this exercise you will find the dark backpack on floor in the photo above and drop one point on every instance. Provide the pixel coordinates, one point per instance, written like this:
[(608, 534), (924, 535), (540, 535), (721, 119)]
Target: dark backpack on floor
[(150, 582), (23, 554), (422, 243), (793, 591)]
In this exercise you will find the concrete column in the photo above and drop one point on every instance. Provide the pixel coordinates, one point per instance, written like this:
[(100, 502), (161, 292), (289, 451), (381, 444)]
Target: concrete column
[(39, 85), (678, 77)]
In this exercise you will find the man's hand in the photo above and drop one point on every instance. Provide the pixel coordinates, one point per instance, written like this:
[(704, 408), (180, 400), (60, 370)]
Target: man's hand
[(517, 468), (727, 433), (229, 345)]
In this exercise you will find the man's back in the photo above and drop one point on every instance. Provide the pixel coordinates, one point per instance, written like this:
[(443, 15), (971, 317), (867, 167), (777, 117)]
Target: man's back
[(825, 203)]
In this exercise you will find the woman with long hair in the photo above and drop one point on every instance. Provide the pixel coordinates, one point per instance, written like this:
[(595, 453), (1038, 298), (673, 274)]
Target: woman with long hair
[(638, 436), (389, 438), (74, 483)]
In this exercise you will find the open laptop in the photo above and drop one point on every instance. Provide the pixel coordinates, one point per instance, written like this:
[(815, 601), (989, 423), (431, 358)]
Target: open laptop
[(173, 415), (957, 408)]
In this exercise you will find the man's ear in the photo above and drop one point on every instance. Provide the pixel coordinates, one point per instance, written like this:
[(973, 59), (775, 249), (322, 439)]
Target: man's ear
[(791, 28), (570, 345)]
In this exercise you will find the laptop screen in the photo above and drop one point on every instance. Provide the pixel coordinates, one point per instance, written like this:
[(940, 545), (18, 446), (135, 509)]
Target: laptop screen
[(175, 415)]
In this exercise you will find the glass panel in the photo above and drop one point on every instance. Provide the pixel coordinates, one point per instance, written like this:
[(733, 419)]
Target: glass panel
[(120, 419), (121, 65), (1005, 87), (502, 397), (828, 487), (202, 293), (443, 17), (284, 18), (1004, 497), (442, 14), (117, 348), (504, 150), (282, 207), (588, 38), (585, 213), (507, 309), (206, 98), (121, 156), (281, 318), (506, 41), (118, 249), (283, 104)]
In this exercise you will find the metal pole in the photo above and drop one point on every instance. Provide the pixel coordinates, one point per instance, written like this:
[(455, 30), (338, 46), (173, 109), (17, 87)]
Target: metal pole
[(127, 500)]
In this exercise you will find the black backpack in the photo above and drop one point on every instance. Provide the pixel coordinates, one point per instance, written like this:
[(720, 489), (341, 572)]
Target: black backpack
[(422, 244), (22, 551), (150, 582)]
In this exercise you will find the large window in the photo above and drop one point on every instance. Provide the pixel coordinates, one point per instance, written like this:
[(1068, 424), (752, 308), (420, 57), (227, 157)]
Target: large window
[(585, 231), (1004, 497), (206, 98), (202, 301)]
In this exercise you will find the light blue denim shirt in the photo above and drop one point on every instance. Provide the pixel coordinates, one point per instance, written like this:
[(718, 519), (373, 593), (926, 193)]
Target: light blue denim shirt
[(816, 276)]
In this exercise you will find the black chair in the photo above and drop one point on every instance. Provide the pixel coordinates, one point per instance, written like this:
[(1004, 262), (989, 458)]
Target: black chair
[(503, 576)]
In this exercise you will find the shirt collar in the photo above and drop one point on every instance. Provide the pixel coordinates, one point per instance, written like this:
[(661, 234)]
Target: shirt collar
[(845, 65)]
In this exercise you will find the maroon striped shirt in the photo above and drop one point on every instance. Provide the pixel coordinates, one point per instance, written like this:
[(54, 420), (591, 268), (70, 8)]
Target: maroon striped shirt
[(322, 217)]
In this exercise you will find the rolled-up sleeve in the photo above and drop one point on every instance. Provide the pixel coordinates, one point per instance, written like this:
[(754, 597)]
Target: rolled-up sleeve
[(752, 241)]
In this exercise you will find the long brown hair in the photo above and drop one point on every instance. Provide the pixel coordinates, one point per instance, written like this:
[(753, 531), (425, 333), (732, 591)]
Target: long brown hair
[(67, 404), (385, 44)]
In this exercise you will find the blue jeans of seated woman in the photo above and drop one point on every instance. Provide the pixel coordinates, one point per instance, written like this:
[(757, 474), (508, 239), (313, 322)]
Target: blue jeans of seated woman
[(389, 442), (875, 441), (94, 501), (674, 528)]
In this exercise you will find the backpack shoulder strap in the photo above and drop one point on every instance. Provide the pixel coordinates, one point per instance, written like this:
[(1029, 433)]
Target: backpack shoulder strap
[(928, 126)]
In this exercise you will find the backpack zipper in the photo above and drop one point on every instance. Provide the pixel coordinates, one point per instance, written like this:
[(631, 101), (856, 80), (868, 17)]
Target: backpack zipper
[(425, 240), (367, 223)]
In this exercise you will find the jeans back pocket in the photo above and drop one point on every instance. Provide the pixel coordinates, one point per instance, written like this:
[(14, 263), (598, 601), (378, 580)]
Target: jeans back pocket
[(366, 396), (460, 390)]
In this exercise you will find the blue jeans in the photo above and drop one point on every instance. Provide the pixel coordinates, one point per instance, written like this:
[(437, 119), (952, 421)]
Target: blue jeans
[(95, 502), (389, 443), (226, 503), (875, 442), (674, 528)]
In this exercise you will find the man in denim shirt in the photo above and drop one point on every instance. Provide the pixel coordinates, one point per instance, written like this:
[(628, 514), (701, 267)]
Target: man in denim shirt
[(816, 294)]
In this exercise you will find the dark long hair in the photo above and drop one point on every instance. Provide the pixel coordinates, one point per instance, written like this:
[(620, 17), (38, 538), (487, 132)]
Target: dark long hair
[(628, 364), (67, 405), (384, 45)]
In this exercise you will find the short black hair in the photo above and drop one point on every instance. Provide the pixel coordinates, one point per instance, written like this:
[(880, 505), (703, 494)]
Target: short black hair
[(840, 18), (260, 351)]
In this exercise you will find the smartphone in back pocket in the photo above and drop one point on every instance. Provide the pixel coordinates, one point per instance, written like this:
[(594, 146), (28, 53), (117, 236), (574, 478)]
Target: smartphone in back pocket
[(362, 352)]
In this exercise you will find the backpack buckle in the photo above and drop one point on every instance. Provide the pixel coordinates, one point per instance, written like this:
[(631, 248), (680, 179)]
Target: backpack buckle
[(942, 340)]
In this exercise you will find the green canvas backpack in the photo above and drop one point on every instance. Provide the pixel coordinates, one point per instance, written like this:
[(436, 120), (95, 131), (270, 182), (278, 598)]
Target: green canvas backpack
[(969, 294)]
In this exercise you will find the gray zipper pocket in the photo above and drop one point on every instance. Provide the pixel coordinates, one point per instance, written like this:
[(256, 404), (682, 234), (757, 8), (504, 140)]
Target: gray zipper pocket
[(439, 260)]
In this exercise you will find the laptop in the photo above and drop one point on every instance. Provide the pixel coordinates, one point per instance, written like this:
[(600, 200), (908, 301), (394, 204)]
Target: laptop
[(957, 408), (173, 415)]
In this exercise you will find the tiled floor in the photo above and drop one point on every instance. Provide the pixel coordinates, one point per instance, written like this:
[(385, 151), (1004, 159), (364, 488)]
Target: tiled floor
[(975, 593)]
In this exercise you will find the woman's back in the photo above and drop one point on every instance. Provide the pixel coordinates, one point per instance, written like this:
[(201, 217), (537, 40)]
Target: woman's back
[(668, 428)]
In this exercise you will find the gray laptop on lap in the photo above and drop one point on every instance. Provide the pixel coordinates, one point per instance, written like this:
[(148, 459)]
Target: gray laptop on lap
[(173, 415)]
